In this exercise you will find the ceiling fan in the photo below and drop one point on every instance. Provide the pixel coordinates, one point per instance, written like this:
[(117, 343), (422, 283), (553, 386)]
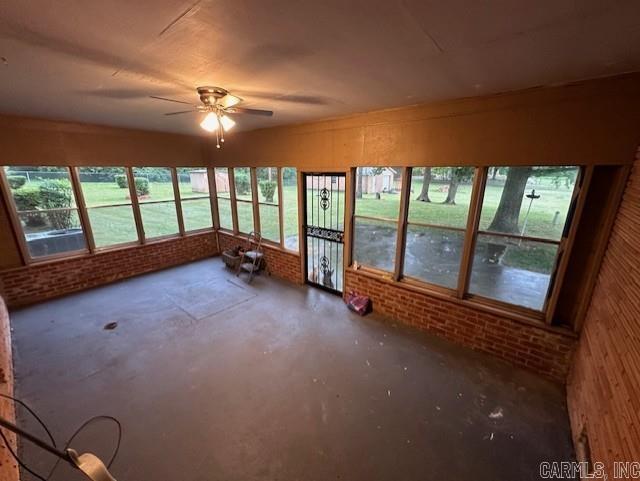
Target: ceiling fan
[(216, 103)]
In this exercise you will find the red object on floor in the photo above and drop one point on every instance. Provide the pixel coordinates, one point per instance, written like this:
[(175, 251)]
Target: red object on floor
[(358, 303)]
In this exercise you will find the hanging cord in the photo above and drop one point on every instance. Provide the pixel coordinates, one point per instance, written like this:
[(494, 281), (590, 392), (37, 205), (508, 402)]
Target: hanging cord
[(8, 445), (79, 430), (53, 442)]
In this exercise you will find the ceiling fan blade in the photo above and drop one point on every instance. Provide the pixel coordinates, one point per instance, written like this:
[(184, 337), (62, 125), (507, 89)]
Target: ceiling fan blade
[(242, 110), (229, 101), (182, 112), (169, 100)]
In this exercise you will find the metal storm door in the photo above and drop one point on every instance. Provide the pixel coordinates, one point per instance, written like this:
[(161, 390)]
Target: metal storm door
[(324, 230)]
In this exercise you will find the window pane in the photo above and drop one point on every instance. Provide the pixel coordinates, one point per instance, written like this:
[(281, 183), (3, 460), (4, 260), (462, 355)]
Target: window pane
[(193, 182), (512, 270), (45, 202), (52, 232), (159, 219), (153, 184), (375, 243), (113, 225), (36, 188), (245, 217), (269, 222), (196, 214), (224, 212), (222, 182), (267, 184), (242, 179), (433, 254), (530, 201), (104, 186), (440, 195), (290, 207), (378, 192)]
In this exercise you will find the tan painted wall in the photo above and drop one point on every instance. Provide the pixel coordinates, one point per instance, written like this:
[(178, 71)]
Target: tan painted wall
[(593, 122)]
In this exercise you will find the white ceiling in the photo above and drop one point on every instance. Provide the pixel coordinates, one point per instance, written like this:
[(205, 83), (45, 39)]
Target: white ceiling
[(97, 61)]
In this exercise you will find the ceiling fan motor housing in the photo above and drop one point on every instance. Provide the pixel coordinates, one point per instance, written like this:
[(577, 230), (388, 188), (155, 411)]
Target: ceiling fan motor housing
[(209, 95)]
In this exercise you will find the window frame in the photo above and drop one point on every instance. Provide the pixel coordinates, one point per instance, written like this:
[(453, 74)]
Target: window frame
[(77, 184), (471, 232), (299, 201), (176, 201), (211, 195), (400, 222), (235, 200), (20, 235), (277, 205), (564, 245)]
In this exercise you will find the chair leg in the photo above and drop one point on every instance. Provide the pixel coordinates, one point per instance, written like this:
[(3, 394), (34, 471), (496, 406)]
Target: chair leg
[(239, 268)]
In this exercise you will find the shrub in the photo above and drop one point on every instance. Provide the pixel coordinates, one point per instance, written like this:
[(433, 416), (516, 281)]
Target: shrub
[(243, 184), (29, 199), (268, 189), (57, 194), (121, 180), (142, 186), (16, 181)]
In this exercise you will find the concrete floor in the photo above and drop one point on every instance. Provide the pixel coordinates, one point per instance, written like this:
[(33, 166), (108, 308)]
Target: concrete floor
[(213, 379)]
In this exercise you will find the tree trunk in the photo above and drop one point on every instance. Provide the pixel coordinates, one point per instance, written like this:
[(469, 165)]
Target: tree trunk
[(426, 180), (508, 212), (453, 190), (360, 188)]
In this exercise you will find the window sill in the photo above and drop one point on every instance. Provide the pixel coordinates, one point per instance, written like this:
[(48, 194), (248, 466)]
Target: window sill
[(529, 319), (104, 250), (265, 243)]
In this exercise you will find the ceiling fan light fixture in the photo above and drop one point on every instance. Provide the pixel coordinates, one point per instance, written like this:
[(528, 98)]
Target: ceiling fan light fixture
[(210, 122), (227, 123)]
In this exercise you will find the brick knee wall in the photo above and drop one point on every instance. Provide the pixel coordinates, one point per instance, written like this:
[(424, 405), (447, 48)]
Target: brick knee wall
[(603, 388), (282, 264), (540, 349), (37, 282)]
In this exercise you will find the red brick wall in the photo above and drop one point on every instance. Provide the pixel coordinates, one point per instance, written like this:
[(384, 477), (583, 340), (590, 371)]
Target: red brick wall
[(537, 348), (8, 465), (603, 388), (280, 263), (29, 284)]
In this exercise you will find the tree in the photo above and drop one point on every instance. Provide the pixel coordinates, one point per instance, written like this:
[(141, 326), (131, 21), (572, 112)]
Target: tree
[(426, 180), (458, 174), (508, 212), (360, 187)]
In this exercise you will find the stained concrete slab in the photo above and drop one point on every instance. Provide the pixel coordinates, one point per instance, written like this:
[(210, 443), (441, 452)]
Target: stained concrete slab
[(285, 384)]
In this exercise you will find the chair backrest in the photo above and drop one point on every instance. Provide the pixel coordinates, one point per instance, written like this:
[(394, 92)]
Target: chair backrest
[(254, 237)]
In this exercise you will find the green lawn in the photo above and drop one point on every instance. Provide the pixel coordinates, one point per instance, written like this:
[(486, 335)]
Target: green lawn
[(114, 225), (112, 219), (540, 222)]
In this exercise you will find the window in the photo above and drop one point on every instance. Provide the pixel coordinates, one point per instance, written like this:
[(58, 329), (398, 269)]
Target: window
[(154, 188), (223, 193), (439, 200), (290, 208), (108, 201), (193, 185), (268, 203), (45, 204), (523, 217), (244, 202), (375, 221)]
